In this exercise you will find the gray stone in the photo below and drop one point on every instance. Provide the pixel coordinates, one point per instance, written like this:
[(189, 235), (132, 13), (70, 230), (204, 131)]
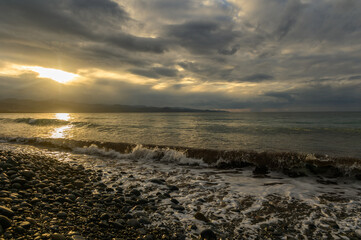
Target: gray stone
[(72, 197), (20, 180), (135, 192), (157, 181), (77, 237), (144, 220), (6, 211), (105, 216), (61, 215), (16, 185), (5, 222), (142, 231), (149, 237), (208, 235), (19, 229), (175, 201), (25, 225), (177, 207), (133, 222), (28, 174), (173, 188), (57, 236), (201, 217), (79, 184)]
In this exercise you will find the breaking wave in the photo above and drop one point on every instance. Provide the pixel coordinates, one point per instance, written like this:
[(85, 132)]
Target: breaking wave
[(291, 163), (47, 122)]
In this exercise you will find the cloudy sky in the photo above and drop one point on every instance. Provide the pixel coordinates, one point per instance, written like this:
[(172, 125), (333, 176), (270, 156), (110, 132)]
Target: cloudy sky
[(260, 55)]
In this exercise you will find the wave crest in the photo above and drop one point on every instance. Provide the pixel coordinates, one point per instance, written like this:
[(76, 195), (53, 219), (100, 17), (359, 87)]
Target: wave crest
[(41, 121), (142, 153), (291, 163), (48, 122)]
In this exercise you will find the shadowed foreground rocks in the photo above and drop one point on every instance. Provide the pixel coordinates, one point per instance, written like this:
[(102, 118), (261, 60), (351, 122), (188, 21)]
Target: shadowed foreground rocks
[(42, 198)]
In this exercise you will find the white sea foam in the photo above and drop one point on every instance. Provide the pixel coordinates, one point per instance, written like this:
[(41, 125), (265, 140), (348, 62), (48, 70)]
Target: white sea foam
[(234, 201), (141, 153), (95, 150)]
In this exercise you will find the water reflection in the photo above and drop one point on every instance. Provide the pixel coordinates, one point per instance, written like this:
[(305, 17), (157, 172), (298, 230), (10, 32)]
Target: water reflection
[(62, 116), (63, 131)]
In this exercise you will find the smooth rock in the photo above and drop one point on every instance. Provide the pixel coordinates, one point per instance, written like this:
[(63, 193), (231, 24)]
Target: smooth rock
[(201, 217), (135, 192), (177, 207), (105, 216), (6, 211), (57, 236), (79, 184), (144, 220), (173, 188), (208, 235), (5, 222), (25, 225), (175, 201), (16, 185), (157, 181), (149, 237), (262, 170), (19, 229), (77, 237), (61, 215), (133, 222), (28, 174)]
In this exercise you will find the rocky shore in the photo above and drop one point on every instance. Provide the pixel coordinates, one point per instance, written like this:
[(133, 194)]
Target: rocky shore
[(48, 194), (42, 198)]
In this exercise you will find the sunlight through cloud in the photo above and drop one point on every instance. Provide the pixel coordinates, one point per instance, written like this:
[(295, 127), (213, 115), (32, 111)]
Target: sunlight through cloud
[(54, 74)]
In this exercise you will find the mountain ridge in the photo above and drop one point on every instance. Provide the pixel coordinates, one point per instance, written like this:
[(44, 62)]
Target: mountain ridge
[(12, 105)]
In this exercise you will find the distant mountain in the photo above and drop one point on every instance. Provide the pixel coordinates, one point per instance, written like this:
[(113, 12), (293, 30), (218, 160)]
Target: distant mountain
[(55, 106)]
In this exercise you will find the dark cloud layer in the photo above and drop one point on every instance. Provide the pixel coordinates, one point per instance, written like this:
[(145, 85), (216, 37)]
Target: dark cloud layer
[(262, 54)]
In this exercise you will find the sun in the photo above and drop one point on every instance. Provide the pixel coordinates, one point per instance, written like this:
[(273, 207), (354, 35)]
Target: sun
[(54, 74)]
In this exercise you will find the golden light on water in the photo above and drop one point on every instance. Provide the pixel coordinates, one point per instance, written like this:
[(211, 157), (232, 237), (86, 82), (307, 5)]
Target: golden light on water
[(63, 131), (54, 74), (62, 116)]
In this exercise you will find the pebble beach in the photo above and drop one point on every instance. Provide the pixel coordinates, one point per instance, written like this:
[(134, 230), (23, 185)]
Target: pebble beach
[(50, 194)]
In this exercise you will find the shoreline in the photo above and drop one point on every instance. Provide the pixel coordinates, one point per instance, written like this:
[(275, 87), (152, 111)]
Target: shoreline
[(292, 164), (42, 198), (61, 195)]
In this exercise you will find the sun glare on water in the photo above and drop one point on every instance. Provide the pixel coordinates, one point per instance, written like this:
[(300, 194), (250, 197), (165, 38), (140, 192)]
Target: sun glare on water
[(54, 74)]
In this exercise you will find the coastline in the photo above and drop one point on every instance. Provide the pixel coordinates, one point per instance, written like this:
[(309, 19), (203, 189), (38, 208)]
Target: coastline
[(80, 196), (292, 164), (42, 198)]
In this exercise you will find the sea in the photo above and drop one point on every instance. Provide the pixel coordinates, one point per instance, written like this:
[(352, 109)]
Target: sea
[(246, 172), (336, 134)]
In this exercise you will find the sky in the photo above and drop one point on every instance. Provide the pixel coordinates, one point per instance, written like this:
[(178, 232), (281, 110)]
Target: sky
[(241, 55)]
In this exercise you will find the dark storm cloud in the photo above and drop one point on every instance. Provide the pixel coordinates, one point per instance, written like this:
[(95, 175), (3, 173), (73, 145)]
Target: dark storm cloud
[(212, 54), (260, 77), (168, 72), (208, 71), (320, 96), (73, 20), (355, 77), (156, 72), (202, 37), (289, 18), (283, 96), (144, 73)]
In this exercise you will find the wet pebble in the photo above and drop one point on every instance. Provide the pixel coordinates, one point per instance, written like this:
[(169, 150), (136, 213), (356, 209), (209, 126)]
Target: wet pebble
[(208, 234)]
